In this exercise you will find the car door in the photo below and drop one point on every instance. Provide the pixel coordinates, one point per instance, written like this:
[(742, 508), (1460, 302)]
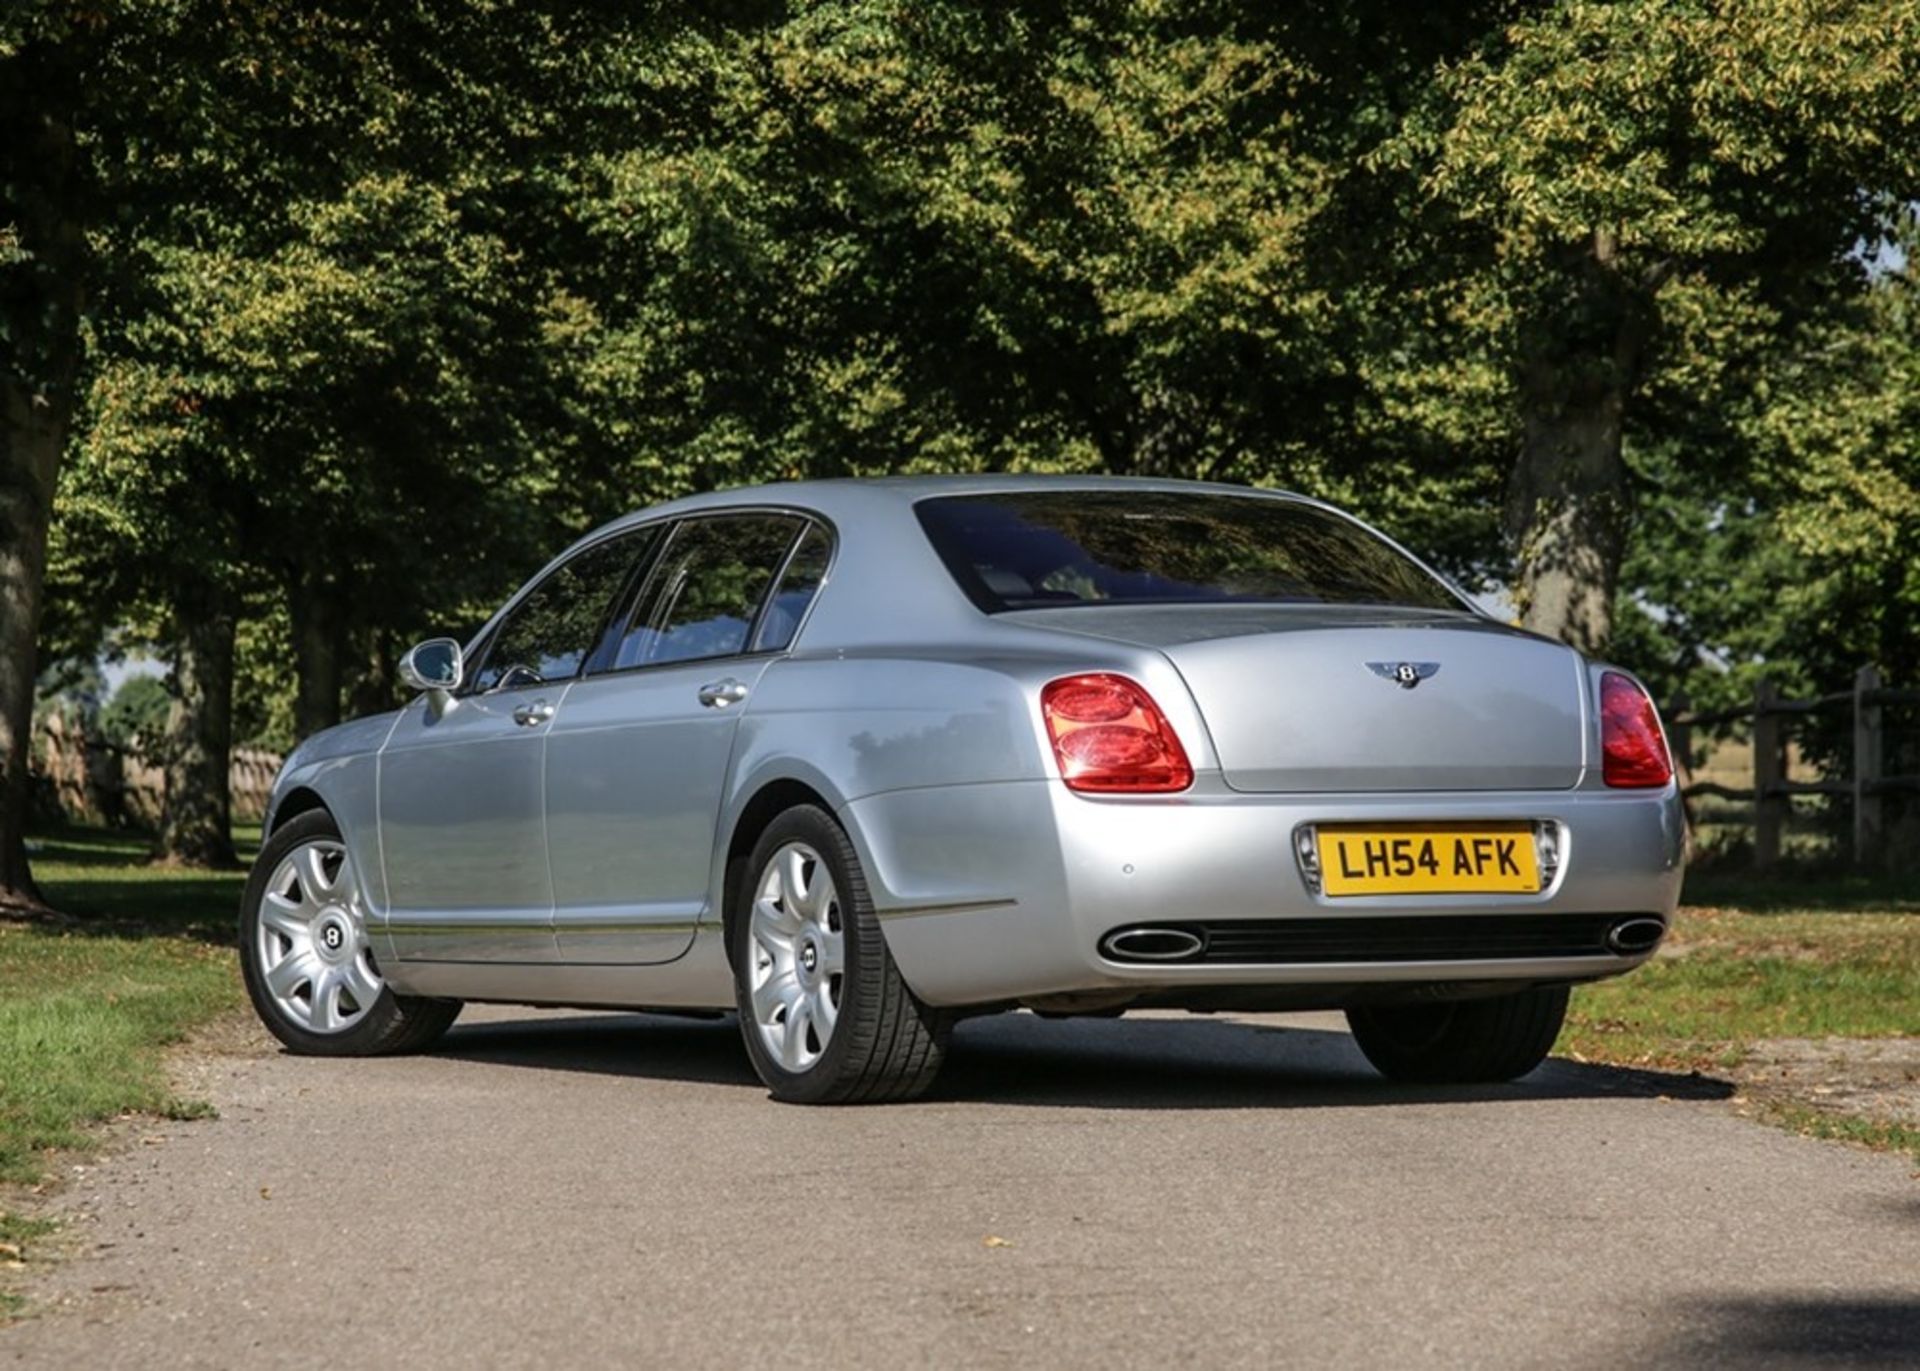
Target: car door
[(462, 822), (637, 760)]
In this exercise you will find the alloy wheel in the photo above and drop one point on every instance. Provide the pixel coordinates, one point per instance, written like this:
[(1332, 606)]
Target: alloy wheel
[(798, 951), (314, 955)]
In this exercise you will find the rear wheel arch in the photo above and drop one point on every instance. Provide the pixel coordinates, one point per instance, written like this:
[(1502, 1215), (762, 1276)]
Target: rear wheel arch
[(824, 1012), (769, 802)]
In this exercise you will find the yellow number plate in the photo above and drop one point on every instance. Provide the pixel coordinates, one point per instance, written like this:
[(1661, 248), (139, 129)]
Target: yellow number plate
[(1391, 859)]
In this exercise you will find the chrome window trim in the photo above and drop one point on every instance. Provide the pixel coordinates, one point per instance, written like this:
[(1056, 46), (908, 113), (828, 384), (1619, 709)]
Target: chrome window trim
[(483, 641), (808, 519)]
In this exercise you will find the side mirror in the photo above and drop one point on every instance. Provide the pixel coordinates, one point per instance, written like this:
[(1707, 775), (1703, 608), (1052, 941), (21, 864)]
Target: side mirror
[(436, 667)]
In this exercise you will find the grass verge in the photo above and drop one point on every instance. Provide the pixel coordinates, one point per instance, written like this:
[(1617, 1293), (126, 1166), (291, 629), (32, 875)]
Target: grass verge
[(88, 1004), (1879, 1134), (1751, 963), (17, 1236)]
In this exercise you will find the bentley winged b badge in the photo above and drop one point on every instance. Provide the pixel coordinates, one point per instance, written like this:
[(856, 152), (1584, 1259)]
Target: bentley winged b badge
[(1406, 675)]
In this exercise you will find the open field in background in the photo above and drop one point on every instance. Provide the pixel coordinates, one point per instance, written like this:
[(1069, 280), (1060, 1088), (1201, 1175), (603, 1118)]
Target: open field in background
[(1723, 829), (89, 1005)]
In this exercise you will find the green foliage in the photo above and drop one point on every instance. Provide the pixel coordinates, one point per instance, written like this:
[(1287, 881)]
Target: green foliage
[(73, 686), (1612, 209), (136, 714), (316, 362), (1706, 161), (871, 237), (1796, 565), (386, 304)]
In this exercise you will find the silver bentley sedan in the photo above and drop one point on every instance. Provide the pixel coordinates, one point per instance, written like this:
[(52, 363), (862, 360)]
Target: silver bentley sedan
[(858, 759)]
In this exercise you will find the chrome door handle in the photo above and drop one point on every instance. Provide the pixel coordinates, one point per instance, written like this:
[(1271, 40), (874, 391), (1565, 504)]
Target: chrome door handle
[(720, 694), (536, 713)]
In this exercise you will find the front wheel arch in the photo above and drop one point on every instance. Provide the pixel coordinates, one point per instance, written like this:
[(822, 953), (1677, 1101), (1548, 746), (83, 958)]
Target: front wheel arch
[(300, 800), (388, 1022)]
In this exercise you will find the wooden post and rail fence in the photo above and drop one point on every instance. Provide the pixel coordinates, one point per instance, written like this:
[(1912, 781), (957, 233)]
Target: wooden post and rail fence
[(1773, 790)]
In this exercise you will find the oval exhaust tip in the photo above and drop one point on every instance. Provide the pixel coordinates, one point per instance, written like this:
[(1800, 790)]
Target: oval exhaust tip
[(1630, 937), (1152, 945)]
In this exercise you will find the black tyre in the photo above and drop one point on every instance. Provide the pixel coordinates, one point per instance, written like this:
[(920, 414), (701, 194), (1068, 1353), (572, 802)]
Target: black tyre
[(826, 1016), (1461, 1041), (304, 954)]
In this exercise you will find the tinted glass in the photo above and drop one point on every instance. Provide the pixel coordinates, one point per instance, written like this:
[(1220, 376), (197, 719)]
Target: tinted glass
[(701, 598), (1030, 549), (550, 632), (805, 570)]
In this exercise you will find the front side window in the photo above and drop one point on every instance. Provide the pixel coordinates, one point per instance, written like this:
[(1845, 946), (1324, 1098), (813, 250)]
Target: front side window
[(701, 599), (547, 636), (1037, 549)]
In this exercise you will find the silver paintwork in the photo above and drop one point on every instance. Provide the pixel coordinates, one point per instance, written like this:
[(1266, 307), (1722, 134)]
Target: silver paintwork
[(461, 806), (635, 770), (1290, 706), (312, 940), (581, 857)]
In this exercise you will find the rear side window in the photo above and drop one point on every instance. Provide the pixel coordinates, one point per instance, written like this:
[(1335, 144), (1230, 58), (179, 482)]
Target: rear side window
[(703, 594), (1033, 549), (549, 633), (798, 583)]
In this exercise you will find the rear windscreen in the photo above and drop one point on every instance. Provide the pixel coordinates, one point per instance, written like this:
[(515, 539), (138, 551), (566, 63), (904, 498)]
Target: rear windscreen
[(1034, 549)]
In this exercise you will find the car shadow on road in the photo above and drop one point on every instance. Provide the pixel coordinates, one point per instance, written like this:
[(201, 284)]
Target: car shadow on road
[(1021, 1059), (1809, 1330)]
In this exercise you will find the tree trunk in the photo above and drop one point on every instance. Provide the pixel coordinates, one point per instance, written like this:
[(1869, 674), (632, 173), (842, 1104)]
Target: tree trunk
[(317, 644), (40, 298), (196, 822), (33, 436), (377, 687), (1567, 508), (1567, 502)]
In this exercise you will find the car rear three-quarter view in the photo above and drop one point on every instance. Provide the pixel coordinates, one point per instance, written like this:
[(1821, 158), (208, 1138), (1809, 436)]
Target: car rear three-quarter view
[(860, 759)]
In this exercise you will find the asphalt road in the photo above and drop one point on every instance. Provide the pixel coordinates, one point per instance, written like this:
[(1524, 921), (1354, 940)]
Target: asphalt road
[(553, 1190)]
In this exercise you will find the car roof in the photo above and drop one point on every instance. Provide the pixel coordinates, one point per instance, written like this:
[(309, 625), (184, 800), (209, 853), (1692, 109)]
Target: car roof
[(847, 494), (893, 561)]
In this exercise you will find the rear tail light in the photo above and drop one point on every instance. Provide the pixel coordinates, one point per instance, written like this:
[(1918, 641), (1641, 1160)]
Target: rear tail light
[(1633, 750), (1110, 737)]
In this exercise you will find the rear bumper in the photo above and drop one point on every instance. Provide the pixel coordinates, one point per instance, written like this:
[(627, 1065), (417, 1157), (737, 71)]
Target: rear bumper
[(1002, 892)]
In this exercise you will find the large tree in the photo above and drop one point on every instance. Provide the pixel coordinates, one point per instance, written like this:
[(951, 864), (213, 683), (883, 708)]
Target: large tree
[(1798, 563), (315, 364), (44, 55), (873, 236), (390, 298), (1611, 195)]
